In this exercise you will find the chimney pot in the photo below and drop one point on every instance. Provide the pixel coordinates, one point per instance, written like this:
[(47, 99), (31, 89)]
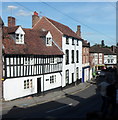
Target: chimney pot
[(35, 18), (11, 21), (35, 13)]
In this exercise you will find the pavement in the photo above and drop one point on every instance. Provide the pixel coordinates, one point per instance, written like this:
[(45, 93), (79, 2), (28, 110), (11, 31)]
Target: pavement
[(36, 100), (43, 98)]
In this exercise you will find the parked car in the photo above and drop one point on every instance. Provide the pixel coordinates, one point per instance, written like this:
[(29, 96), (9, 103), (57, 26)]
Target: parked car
[(102, 73), (98, 72)]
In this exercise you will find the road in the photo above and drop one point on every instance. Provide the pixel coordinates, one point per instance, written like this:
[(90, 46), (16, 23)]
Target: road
[(70, 106), (75, 105)]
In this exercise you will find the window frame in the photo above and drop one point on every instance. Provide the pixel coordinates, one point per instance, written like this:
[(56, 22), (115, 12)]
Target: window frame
[(67, 57), (73, 41), (72, 54), (67, 76), (67, 40)]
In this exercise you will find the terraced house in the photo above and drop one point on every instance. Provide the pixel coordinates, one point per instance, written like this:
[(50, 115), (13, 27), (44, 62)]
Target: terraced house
[(69, 43), (103, 57), (32, 61), (43, 58)]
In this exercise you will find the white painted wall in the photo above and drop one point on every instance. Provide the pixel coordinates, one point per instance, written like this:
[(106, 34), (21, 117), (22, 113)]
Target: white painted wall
[(110, 57), (71, 66), (57, 81), (14, 87)]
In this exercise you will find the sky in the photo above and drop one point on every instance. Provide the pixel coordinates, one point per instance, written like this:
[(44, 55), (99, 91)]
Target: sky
[(97, 19)]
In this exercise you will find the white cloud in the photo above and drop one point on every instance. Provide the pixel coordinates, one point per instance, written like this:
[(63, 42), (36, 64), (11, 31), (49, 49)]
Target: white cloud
[(24, 13), (12, 7)]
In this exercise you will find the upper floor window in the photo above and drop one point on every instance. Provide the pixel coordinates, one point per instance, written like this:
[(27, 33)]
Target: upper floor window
[(72, 56), (73, 41), (67, 40), (77, 42), (19, 36), (49, 41), (67, 57), (77, 56), (53, 60), (108, 60), (112, 60)]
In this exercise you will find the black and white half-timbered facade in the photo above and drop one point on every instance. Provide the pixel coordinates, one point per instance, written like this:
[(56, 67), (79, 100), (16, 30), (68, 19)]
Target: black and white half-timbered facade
[(32, 62)]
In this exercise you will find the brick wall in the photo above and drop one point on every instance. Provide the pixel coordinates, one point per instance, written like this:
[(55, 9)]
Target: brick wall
[(85, 55)]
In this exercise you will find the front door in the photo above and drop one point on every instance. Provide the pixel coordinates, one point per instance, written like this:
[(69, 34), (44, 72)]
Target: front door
[(38, 85), (72, 77)]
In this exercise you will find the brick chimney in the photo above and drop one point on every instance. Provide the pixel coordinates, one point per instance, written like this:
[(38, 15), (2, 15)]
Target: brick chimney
[(78, 32), (35, 18), (11, 21)]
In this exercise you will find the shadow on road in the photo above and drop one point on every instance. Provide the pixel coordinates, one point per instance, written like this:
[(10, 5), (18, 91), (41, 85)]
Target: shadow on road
[(86, 109)]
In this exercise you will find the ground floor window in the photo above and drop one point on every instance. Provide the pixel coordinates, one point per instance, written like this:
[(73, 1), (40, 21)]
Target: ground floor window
[(28, 84), (67, 76), (77, 73), (52, 79)]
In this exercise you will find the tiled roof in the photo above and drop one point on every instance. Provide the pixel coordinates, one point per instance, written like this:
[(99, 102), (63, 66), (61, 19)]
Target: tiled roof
[(99, 49), (64, 29), (10, 29), (34, 44), (108, 51), (96, 49)]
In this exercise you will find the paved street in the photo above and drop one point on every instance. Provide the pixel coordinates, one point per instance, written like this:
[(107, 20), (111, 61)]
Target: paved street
[(69, 103), (71, 106)]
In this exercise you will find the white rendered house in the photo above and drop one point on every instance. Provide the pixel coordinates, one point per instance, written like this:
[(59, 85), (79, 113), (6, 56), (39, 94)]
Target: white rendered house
[(68, 42)]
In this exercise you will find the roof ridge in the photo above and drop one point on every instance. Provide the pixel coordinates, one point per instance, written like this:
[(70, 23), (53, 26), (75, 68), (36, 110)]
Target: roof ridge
[(57, 22), (53, 25)]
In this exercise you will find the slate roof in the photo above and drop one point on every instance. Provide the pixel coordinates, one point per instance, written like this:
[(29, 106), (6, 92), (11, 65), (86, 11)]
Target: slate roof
[(99, 49), (34, 43)]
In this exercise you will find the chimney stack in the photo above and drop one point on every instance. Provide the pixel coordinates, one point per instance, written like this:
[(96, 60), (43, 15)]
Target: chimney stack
[(35, 18), (11, 21), (78, 32), (113, 48), (102, 43)]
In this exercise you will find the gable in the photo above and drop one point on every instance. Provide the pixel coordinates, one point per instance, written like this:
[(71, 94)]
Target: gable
[(19, 31), (64, 29), (43, 23)]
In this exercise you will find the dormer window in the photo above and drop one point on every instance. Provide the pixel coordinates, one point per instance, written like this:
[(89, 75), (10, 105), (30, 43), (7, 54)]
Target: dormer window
[(48, 39), (19, 36)]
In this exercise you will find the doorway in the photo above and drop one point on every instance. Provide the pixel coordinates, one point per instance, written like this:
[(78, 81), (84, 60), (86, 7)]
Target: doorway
[(39, 85)]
